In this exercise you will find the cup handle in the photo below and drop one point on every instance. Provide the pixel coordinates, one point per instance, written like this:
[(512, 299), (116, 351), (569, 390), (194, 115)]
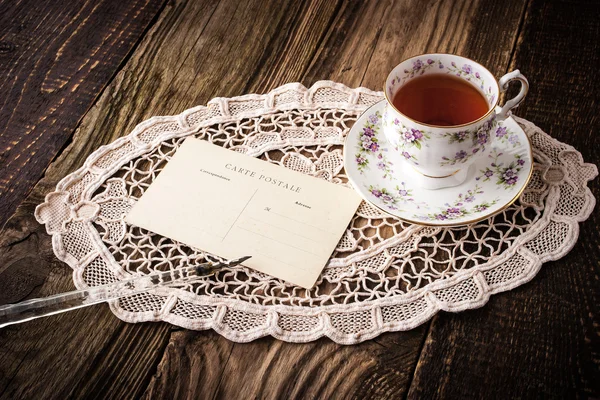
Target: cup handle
[(505, 112)]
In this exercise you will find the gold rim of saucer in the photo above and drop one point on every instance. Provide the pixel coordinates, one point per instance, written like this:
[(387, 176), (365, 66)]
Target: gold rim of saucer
[(422, 223), (492, 107)]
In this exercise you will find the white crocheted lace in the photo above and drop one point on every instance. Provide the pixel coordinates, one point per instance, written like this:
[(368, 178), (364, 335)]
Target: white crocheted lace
[(385, 275)]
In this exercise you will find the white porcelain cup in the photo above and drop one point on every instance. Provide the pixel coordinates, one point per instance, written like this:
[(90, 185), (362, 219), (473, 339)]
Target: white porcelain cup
[(442, 154)]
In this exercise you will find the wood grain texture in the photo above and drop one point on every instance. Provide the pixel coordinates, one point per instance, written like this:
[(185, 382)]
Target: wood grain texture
[(197, 50), (273, 369), (196, 361), (55, 58), (541, 339)]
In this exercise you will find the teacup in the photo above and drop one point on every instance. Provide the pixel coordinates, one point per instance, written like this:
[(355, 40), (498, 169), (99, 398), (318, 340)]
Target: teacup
[(442, 154)]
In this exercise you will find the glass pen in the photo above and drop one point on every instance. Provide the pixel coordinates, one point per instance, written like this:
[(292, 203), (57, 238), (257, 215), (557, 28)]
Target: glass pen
[(41, 307)]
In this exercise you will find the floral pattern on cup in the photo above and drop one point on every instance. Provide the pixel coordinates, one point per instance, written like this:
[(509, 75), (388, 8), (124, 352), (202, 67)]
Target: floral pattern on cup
[(407, 139), (411, 137), (413, 140), (459, 137), (505, 135), (506, 176), (479, 136), (479, 139), (368, 143), (460, 207)]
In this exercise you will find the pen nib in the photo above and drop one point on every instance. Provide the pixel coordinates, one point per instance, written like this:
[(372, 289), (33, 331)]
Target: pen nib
[(238, 261)]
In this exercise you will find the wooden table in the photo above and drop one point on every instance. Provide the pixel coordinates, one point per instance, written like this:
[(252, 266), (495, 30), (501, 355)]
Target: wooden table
[(78, 74)]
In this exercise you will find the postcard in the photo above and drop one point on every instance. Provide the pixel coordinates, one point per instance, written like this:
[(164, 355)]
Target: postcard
[(232, 205)]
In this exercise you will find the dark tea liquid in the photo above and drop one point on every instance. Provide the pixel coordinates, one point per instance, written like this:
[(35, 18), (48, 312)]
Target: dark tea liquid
[(440, 99)]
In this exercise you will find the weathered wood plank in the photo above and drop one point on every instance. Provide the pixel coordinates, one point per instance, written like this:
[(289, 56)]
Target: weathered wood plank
[(55, 58), (273, 369), (541, 339), (195, 360)]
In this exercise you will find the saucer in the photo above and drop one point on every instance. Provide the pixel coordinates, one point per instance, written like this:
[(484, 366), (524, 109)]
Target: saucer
[(380, 175)]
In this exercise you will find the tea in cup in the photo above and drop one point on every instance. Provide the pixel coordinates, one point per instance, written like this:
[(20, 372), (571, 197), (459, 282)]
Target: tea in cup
[(441, 114)]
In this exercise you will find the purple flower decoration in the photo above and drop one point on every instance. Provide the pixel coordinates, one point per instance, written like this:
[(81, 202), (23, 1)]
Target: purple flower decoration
[(441, 65), (406, 71), (478, 76), (501, 131), (368, 132), (374, 147), (453, 211), (469, 199), (520, 161), (381, 165), (482, 137), (440, 217), (417, 65), (406, 154), (373, 118), (510, 172), (396, 121), (461, 154), (489, 173), (510, 176), (429, 61), (453, 64), (462, 135), (376, 193), (409, 136), (513, 139), (386, 197), (402, 192), (360, 160)]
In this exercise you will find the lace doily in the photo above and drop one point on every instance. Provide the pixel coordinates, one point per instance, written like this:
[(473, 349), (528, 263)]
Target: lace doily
[(385, 275)]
